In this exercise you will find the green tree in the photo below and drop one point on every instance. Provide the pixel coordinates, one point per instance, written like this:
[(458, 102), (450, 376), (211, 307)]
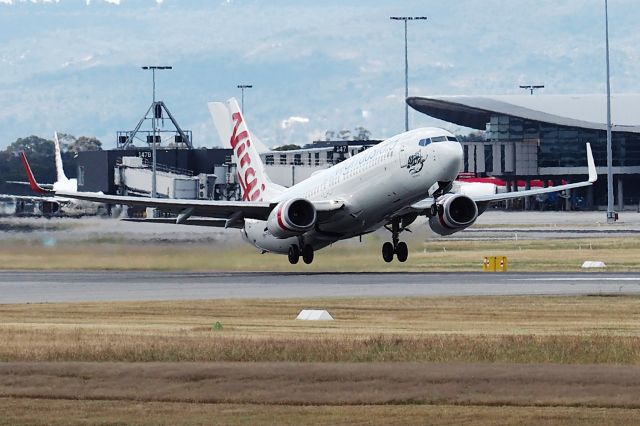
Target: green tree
[(39, 152), (362, 134), (84, 143), (344, 134), (289, 147)]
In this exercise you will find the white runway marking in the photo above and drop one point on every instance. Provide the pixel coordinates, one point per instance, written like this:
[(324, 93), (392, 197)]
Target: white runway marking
[(577, 279)]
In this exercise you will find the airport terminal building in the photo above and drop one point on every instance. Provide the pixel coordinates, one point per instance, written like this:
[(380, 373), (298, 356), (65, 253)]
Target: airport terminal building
[(543, 137)]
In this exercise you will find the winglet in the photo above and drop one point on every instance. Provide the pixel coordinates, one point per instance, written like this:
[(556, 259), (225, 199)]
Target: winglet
[(32, 180), (593, 174)]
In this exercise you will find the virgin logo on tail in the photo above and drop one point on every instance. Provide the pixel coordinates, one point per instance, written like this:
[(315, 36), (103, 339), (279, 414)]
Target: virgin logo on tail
[(241, 144)]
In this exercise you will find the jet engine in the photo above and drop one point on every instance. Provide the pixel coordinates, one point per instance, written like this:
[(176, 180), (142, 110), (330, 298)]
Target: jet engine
[(292, 217), (453, 213)]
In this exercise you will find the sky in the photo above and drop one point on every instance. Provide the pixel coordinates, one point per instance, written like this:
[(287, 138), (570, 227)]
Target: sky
[(74, 65)]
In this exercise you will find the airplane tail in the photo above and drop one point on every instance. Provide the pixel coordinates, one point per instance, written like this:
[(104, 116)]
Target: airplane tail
[(32, 180), (254, 183), (60, 176)]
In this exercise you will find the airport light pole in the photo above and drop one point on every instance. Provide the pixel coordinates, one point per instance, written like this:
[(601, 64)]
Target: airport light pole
[(153, 69), (532, 87), (242, 87), (610, 213), (406, 63)]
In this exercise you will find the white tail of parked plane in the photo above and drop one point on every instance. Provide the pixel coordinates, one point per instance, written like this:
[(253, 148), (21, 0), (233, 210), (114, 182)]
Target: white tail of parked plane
[(62, 183), (233, 132), (60, 176)]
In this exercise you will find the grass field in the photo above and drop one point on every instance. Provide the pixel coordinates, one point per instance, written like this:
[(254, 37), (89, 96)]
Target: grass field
[(64, 412), (619, 254), (587, 329), (472, 360)]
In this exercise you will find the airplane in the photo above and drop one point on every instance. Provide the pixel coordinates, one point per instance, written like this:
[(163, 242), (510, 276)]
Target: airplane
[(388, 185), (52, 205)]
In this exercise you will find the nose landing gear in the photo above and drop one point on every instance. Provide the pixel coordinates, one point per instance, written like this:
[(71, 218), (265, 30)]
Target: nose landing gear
[(397, 247)]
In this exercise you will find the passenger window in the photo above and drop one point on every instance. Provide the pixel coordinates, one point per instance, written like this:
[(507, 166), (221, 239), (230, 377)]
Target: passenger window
[(424, 142)]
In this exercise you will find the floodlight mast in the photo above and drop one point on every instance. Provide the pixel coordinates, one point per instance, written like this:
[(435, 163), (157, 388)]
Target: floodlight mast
[(610, 212), (532, 87), (406, 63), (242, 87), (153, 69)]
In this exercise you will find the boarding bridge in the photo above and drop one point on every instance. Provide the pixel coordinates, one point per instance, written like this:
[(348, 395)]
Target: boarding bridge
[(134, 177)]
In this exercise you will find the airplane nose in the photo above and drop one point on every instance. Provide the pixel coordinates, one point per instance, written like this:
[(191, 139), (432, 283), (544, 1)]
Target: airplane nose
[(450, 155)]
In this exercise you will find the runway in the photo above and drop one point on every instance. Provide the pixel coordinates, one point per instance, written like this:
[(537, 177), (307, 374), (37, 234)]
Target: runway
[(94, 286)]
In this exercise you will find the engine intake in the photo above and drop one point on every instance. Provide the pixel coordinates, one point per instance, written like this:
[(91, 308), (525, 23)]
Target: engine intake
[(292, 217), (455, 212)]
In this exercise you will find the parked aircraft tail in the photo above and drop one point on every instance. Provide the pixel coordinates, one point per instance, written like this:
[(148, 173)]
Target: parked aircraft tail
[(62, 183), (60, 176), (32, 180), (232, 129)]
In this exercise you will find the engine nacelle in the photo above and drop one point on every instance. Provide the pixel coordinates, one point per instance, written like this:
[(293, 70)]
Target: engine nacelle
[(292, 217), (455, 212)]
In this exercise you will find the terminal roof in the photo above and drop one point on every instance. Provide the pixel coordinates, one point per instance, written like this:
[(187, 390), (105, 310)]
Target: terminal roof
[(586, 111)]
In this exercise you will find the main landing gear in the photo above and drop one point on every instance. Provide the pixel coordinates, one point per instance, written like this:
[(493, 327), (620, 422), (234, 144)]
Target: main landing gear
[(397, 247), (295, 253)]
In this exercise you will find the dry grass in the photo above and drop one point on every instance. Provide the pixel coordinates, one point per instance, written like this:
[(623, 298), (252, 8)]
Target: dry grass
[(620, 254), (65, 412), (601, 332), (473, 329), (328, 383)]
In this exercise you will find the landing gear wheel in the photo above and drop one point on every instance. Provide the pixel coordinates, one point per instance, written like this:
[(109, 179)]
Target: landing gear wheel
[(307, 254), (387, 252), (294, 255), (402, 252)]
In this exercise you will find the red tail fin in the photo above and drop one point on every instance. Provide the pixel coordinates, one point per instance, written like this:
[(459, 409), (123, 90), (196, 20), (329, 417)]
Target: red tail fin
[(32, 180)]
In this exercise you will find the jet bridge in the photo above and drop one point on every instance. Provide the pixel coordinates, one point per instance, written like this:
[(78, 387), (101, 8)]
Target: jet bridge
[(132, 175)]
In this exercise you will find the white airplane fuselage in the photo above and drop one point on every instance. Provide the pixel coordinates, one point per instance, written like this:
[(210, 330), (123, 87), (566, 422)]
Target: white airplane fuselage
[(374, 185)]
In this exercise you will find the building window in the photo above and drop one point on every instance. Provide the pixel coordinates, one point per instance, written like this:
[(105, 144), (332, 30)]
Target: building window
[(330, 157), (297, 159), (317, 158), (269, 160), (488, 158), (465, 150), (283, 159)]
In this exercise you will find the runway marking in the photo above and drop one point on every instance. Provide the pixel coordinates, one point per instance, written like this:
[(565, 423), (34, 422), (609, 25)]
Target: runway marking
[(577, 279)]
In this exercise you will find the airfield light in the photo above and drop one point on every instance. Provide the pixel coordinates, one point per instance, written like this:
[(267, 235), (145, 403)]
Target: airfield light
[(153, 69), (242, 87), (532, 87), (406, 63)]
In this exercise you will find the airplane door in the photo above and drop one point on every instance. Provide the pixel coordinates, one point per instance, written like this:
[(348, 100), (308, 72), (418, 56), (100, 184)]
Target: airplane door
[(403, 155)]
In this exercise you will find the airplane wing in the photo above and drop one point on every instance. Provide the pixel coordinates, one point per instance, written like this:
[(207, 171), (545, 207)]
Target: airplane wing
[(234, 211), (215, 223), (205, 208), (18, 182), (424, 206), (32, 198)]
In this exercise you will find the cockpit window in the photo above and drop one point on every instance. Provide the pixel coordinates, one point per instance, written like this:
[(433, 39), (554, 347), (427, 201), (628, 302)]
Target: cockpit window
[(424, 142), (439, 139), (452, 138)]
